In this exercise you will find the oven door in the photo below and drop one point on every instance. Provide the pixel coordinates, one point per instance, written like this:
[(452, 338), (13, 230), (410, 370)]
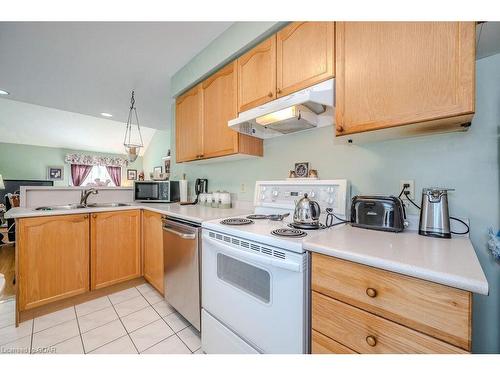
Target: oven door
[(259, 297)]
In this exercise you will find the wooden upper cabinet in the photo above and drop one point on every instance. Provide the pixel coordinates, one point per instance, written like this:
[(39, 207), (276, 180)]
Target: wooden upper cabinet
[(52, 259), (115, 247), (397, 73), (219, 106), (304, 55), (188, 125), (152, 240), (257, 75)]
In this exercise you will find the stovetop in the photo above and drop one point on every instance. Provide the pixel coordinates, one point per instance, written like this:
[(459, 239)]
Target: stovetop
[(275, 198), (271, 232)]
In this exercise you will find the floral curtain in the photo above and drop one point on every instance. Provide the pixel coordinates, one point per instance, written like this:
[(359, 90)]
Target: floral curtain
[(79, 173), (107, 161), (116, 174)]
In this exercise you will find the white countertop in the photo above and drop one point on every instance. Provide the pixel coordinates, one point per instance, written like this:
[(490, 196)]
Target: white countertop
[(194, 213), (451, 262)]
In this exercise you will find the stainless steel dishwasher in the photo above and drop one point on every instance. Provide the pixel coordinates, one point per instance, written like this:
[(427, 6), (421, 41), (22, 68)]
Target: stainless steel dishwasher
[(182, 254)]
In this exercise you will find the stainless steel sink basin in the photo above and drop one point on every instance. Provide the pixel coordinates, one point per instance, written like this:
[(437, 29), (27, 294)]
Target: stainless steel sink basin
[(76, 206), (108, 204), (61, 207)]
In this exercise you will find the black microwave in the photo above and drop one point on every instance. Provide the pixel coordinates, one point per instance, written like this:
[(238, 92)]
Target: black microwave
[(156, 191)]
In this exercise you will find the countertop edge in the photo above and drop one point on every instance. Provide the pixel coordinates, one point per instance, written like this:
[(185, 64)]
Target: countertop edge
[(134, 206), (453, 281)]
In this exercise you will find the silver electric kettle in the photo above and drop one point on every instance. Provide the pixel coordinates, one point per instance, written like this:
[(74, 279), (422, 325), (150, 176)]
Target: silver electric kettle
[(306, 212), (434, 215)]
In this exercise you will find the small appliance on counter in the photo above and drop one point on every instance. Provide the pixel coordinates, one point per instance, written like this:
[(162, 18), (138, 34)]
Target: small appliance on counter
[(156, 191), (306, 214), (200, 186), (434, 215), (384, 213)]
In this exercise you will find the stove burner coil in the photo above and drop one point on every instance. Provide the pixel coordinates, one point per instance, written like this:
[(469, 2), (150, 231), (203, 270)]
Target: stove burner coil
[(286, 232), (307, 226), (236, 221)]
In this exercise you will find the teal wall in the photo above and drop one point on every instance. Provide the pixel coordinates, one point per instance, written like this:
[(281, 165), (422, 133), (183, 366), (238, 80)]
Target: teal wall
[(238, 38), (31, 162), (157, 148), (468, 162)]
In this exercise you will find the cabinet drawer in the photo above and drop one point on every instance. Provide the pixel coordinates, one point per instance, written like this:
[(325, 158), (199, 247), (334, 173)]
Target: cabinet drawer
[(368, 333), (437, 310), (322, 344)]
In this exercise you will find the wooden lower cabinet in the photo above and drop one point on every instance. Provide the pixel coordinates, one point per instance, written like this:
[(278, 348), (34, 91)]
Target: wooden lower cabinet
[(52, 256), (321, 344), (370, 310), (115, 247), (152, 245)]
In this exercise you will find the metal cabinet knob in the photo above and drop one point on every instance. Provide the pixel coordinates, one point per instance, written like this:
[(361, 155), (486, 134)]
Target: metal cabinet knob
[(370, 292), (371, 340)]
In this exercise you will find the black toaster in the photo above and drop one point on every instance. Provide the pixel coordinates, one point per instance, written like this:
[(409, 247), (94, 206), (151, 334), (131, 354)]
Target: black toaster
[(378, 212)]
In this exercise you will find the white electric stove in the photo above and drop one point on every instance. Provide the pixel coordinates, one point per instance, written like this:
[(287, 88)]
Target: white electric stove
[(255, 279)]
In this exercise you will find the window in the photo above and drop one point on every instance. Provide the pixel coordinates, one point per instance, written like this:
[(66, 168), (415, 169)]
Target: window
[(98, 172)]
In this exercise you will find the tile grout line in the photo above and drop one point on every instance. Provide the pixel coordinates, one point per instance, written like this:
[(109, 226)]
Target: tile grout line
[(163, 318), (79, 330), (123, 325), (32, 333)]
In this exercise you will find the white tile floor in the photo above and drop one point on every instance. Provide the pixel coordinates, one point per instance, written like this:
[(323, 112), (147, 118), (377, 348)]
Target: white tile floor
[(135, 320)]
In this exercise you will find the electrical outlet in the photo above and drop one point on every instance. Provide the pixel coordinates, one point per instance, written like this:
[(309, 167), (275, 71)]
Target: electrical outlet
[(242, 188), (410, 189)]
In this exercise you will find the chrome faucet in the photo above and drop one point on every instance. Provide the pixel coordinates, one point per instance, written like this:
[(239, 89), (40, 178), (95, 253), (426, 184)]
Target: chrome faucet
[(85, 195)]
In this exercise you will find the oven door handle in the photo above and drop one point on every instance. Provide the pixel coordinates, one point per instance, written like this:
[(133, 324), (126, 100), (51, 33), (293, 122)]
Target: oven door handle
[(262, 259)]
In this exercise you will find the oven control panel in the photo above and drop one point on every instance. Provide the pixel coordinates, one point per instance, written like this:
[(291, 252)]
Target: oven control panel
[(333, 194)]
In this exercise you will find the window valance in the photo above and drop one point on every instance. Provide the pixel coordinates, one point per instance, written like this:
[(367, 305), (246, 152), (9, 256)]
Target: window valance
[(107, 161)]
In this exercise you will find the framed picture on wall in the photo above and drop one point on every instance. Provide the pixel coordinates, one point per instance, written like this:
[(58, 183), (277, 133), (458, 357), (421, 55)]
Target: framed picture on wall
[(132, 174), (55, 173)]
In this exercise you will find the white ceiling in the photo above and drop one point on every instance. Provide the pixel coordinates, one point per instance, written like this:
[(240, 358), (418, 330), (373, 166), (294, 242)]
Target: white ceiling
[(24, 123), (91, 67)]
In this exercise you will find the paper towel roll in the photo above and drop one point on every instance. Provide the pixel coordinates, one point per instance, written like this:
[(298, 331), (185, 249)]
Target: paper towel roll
[(183, 190)]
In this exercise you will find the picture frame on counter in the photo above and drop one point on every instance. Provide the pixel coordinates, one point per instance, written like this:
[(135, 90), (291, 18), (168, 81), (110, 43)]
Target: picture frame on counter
[(131, 174), (55, 173), (157, 170)]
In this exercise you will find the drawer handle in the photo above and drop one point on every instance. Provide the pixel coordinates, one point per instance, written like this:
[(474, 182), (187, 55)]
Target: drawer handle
[(270, 94), (371, 340), (370, 292)]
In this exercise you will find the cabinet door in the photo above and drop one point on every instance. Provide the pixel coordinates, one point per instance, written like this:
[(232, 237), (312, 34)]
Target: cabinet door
[(397, 73), (304, 55), (115, 247), (188, 125), (52, 259), (219, 106), (152, 236), (257, 75)]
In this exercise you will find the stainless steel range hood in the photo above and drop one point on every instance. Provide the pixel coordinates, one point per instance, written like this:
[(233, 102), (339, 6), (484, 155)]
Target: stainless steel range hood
[(306, 109)]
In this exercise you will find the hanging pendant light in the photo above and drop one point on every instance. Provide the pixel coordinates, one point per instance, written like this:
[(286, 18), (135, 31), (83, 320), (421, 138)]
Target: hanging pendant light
[(133, 137)]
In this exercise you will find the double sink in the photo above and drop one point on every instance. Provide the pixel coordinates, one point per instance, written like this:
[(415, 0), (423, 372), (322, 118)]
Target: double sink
[(76, 206)]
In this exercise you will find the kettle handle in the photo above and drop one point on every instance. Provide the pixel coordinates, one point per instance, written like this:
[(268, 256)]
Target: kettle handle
[(316, 205)]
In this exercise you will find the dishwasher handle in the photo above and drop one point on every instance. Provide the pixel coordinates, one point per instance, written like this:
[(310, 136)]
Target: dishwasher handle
[(185, 236)]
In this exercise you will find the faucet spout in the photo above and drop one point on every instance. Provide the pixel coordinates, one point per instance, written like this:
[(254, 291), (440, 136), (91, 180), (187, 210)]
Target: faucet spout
[(85, 195)]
